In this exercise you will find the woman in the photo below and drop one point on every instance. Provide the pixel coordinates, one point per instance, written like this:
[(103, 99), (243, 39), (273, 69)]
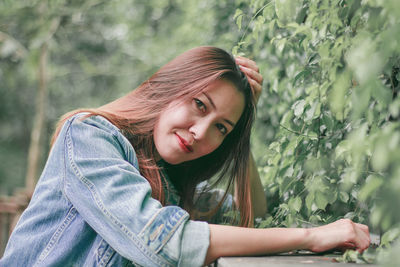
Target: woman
[(116, 178)]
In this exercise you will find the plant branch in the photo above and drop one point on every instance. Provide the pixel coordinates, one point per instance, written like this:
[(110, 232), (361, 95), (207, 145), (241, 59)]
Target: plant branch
[(254, 16)]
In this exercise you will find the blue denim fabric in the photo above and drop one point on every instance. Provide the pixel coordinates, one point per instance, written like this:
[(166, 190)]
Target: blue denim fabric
[(91, 207)]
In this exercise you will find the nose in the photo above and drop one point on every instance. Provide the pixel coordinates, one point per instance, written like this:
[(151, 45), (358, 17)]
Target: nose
[(200, 129)]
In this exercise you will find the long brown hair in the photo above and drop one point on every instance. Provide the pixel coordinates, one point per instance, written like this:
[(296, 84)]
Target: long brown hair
[(182, 78)]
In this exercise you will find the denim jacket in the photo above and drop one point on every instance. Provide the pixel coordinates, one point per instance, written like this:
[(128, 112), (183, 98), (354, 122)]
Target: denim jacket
[(92, 207)]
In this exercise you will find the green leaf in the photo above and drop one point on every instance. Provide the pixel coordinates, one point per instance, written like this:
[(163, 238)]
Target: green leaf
[(274, 160), (320, 200), (266, 223), (238, 16), (288, 10), (342, 148), (389, 236), (298, 107), (380, 155), (361, 55), (295, 203), (327, 120), (331, 195), (313, 112), (351, 256), (337, 97), (313, 136), (289, 172), (292, 145), (287, 118), (381, 93), (344, 197), (309, 201), (238, 13), (239, 22), (301, 75)]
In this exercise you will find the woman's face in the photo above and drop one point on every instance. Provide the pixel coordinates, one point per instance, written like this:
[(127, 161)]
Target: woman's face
[(191, 129)]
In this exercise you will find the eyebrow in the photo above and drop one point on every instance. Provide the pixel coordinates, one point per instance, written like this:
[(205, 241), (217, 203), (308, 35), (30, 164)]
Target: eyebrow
[(212, 104)]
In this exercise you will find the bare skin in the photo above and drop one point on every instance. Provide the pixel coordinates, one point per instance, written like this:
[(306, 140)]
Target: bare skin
[(240, 241)]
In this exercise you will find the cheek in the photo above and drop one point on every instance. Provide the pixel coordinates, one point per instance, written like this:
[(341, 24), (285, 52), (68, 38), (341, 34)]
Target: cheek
[(212, 145), (177, 116), (157, 133), (166, 120), (162, 127)]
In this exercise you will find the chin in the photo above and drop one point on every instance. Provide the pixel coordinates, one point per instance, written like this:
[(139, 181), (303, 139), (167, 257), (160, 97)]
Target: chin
[(171, 160)]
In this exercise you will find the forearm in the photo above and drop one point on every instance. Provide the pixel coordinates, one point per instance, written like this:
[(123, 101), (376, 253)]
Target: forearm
[(236, 241), (257, 190)]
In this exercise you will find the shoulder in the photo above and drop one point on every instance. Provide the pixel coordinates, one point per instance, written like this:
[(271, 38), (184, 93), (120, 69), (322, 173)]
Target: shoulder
[(96, 133), (95, 121)]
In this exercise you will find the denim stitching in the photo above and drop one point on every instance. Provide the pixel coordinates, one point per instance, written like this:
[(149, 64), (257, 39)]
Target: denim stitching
[(180, 214), (150, 222), (109, 253), (57, 234), (171, 232), (106, 256), (100, 204)]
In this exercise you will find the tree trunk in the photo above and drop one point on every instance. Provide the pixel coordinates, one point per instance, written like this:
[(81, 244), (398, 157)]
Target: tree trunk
[(35, 148)]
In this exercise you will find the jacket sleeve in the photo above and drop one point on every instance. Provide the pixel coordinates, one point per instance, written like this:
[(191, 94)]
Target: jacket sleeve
[(102, 181)]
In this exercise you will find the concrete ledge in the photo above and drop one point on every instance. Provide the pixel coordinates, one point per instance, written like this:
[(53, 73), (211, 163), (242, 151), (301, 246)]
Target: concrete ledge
[(286, 260)]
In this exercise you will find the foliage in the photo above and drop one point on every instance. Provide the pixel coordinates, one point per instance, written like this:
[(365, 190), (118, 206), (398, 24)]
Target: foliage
[(328, 132)]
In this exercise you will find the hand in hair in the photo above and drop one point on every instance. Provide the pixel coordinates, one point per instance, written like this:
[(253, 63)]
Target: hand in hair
[(252, 72)]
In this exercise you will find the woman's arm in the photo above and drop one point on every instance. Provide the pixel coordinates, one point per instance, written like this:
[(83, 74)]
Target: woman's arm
[(240, 241), (237, 241)]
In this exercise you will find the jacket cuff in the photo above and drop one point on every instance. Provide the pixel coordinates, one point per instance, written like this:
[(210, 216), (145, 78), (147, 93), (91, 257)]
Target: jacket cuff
[(195, 243)]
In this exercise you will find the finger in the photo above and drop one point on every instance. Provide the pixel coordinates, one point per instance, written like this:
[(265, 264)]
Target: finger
[(353, 234), (363, 247), (364, 233), (256, 88), (247, 63), (363, 227), (252, 74), (362, 238)]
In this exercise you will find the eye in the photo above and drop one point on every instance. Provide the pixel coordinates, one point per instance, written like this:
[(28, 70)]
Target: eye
[(200, 105), (222, 128)]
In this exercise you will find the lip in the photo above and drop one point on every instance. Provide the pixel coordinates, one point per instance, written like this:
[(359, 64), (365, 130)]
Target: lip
[(183, 144)]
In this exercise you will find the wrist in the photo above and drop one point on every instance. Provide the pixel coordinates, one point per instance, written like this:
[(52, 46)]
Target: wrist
[(308, 239)]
